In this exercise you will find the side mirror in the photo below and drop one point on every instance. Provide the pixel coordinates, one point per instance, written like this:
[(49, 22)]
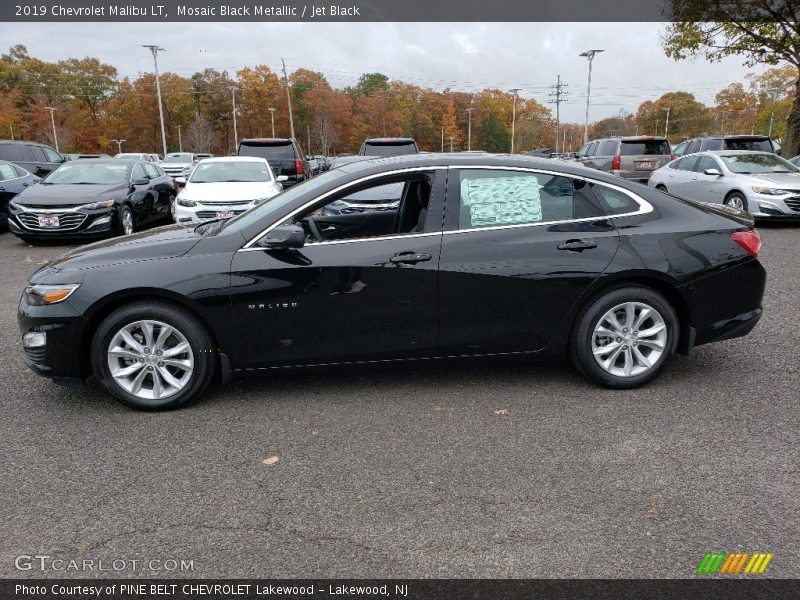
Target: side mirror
[(281, 178), (284, 236), (716, 172), (140, 181)]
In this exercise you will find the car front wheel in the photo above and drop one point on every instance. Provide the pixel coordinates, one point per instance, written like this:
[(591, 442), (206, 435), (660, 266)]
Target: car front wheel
[(625, 337), (126, 222), (153, 356)]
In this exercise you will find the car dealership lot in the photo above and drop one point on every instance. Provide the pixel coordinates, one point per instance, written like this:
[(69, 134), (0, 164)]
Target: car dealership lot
[(409, 470)]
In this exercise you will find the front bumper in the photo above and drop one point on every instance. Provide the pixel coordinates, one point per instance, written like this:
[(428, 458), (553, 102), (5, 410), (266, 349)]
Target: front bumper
[(72, 223), (62, 356), (764, 206), (206, 212)]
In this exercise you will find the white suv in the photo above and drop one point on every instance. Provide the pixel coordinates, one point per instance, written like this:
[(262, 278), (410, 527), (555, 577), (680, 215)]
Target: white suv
[(223, 187)]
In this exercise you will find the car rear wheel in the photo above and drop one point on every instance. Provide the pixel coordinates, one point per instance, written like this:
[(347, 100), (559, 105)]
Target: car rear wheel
[(625, 337), (737, 201), (153, 356), (126, 222)]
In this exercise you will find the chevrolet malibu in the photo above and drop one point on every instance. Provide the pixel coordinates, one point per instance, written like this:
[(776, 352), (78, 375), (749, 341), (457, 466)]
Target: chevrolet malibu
[(484, 256)]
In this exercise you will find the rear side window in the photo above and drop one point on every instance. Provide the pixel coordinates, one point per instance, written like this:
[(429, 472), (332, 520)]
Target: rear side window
[(608, 148), (761, 145), (38, 153), (389, 148), (712, 144), (7, 172), (272, 152), (644, 147), (14, 152), (613, 201), (492, 198)]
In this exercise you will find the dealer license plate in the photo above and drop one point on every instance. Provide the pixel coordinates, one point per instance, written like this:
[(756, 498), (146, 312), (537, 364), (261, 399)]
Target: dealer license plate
[(48, 222), (224, 214)]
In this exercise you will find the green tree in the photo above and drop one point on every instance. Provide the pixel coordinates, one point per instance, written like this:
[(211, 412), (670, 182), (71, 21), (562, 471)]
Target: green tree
[(761, 31), (494, 135)]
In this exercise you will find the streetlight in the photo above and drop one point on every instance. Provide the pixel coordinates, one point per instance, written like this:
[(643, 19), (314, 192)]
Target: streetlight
[(155, 50), (469, 127), (119, 145), (666, 123), (53, 121), (235, 132), (590, 55), (180, 140), (513, 116), (272, 118)]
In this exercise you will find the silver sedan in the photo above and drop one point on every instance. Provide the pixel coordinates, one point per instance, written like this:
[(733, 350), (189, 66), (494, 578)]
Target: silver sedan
[(761, 183)]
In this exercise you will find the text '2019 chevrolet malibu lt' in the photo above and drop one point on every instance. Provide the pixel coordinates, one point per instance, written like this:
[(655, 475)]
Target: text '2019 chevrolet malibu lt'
[(485, 255)]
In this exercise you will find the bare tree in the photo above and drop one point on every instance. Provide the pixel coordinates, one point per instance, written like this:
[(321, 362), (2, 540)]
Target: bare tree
[(324, 133), (199, 136)]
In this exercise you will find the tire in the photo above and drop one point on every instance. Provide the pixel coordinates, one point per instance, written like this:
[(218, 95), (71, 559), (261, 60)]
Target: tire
[(638, 351), (188, 376), (126, 227), (734, 199)]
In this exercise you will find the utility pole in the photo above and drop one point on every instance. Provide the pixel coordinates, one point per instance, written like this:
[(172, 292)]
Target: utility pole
[(272, 118), (180, 140), (469, 127), (235, 131), (308, 138), (513, 116), (53, 121), (155, 50), (658, 122), (288, 100), (771, 117), (558, 97), (442, 139), (119, 145), (11, 127), (590, 55), (451, 143), (722, 125), (666, 123)]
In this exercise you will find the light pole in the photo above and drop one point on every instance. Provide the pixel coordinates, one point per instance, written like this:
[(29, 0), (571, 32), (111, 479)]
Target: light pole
[(53, 121), (272, 118), (119, 145), (180, 140), (722, 123), (451, 143), (469, 127), (666, 123), (155, 50), (590, 55), (513, 116), (235, 131)]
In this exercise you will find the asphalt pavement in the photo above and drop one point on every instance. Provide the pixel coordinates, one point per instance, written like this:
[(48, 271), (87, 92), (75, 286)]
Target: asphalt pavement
[(448, 469)]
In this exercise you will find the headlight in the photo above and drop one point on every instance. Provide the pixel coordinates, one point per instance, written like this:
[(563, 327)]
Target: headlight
[(96, 205), (769, 191), (43, 295), (185, 201), (16, 206)]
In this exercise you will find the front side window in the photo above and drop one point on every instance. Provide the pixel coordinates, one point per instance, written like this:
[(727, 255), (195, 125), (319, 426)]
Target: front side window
[(151, 171), (680, 149), (38, 153), (493, 198), (685, 164), (705, 162), (51, 155), (138, 173)]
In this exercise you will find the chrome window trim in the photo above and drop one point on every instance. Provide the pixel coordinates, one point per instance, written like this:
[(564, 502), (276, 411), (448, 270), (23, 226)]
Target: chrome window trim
[(248, 247), (644, 206)]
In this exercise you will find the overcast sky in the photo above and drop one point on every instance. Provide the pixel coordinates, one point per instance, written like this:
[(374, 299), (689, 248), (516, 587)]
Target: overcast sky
[(462, 56)]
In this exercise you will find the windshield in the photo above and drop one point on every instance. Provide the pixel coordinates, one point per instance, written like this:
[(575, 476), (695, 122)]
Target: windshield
[(275, 208), (89, 173), (233, 171), (758, 163), (179, 158)]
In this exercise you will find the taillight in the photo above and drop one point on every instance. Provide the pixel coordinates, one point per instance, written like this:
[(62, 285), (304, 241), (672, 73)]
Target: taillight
[(615, 162), (749, 240), (298, 166), (672, 157)]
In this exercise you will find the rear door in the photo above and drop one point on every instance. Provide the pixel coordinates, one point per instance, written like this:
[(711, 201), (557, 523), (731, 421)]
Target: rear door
[(681, 177), (520, 247)]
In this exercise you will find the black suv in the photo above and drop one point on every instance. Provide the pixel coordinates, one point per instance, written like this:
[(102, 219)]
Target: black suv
[(284, 155), (38, 159), (388, 147), (761, 143)]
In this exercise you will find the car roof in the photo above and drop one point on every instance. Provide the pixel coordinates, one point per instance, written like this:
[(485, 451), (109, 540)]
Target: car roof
[(109, 161), (265, 141), (215, 159), (736, 152)]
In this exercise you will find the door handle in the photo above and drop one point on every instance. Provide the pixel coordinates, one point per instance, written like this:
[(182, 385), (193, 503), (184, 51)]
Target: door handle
[(577, 245), (409, 258)]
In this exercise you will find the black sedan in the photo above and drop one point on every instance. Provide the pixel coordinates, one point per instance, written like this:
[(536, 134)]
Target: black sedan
[(13, 180), (484, 256), (93, 198)]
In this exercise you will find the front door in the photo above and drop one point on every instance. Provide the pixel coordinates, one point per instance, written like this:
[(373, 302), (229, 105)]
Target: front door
[(364, 287)]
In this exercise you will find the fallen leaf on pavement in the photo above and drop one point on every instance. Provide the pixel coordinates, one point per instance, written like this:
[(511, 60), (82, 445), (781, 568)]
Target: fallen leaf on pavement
[(270, 461), (501, 411)]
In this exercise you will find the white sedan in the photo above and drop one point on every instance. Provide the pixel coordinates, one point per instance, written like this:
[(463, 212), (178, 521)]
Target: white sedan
[(223, 187)]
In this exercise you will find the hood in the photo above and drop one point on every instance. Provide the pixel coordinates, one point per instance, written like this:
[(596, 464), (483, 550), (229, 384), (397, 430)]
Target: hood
[(44, 194), (162, 242), (176, 165), (789, 181), (229, 191)]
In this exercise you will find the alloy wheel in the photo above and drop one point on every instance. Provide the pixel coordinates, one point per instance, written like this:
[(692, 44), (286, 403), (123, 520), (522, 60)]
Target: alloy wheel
[(736, 202), (127, 222), (150, 359), (629, 339)]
